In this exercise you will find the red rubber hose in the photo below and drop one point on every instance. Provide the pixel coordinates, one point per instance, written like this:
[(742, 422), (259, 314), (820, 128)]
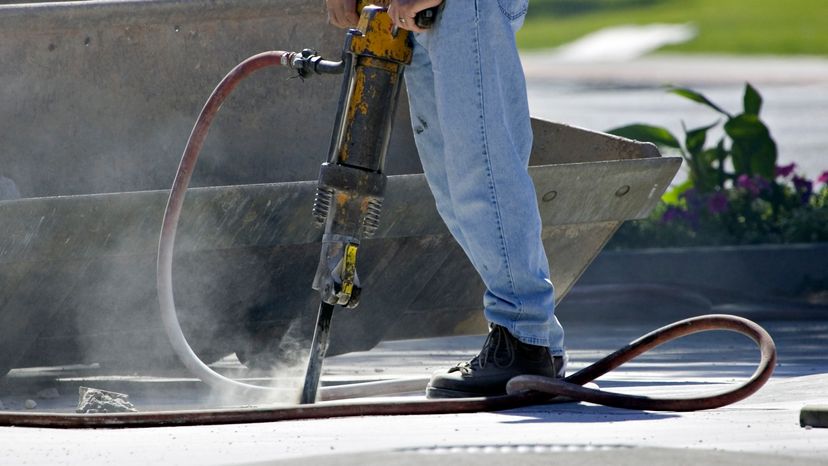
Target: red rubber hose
[(523, 391), (571, 387), (173, 212)]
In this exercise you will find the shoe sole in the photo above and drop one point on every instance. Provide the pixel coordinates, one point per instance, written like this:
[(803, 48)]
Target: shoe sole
[(438, 393), (434, 393)]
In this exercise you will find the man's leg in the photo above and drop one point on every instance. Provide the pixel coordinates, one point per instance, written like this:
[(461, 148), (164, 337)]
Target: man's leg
[(476, 159), (428, 134)]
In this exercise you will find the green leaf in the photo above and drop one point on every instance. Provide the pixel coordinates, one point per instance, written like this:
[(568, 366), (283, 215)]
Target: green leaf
[(746, 126), (754, 150), (695, 138), (706, 177), (647, 133), (752, 160), (673, 195), (752, 99), (707, 157), (721, 155), (697, 97)]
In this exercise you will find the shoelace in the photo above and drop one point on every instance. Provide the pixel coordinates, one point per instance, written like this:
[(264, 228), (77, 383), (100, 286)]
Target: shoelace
[(494, 340)]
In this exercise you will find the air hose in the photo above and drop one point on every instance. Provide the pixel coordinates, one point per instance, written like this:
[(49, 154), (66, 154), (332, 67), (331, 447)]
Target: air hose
[(521, 391), (173, 213)]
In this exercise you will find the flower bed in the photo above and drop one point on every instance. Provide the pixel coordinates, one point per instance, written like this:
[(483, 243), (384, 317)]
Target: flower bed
[(735, 194)]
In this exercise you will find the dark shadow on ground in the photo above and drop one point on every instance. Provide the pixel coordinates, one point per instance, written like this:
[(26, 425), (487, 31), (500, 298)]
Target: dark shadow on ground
[(580, 413)]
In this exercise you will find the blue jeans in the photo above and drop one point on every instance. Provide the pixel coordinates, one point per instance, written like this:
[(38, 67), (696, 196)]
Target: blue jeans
[(470, 115)]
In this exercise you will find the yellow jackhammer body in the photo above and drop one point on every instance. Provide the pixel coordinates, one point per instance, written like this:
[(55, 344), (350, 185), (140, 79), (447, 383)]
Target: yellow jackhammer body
[(352, 182)]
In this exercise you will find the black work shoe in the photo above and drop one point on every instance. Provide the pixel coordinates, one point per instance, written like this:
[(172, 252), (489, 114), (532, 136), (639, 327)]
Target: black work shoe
[(503, 356)]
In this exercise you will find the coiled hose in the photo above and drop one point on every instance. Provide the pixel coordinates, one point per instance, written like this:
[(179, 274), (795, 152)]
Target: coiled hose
[(521, 391)]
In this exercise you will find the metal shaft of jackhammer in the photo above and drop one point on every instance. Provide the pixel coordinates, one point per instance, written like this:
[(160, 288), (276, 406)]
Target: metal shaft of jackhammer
[(319, 348)]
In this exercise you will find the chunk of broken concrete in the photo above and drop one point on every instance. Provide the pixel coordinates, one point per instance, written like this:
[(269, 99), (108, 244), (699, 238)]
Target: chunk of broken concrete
[(92, 401), (30, 404)]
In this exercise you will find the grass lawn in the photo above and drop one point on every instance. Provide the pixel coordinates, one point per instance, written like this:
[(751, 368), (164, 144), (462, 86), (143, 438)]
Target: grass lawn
[(786, 27)]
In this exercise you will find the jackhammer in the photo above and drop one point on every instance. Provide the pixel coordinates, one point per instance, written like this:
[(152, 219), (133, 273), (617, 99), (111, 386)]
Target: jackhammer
[(352, 183), (348, 203)]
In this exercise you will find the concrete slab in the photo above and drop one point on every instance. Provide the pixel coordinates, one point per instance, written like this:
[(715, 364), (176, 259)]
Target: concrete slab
[(564, 455), (668, 68), (763, 429), (603, 95)]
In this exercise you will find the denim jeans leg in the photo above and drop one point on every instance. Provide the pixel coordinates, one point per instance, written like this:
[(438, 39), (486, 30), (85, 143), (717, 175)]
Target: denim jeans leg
[(467, 78), (428, 135)]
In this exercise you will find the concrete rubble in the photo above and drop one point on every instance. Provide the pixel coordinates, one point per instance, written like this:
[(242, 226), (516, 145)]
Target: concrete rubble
[(93, 401)]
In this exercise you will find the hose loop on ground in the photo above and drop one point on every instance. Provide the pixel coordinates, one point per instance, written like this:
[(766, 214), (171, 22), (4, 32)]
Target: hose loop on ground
[(525, 391), (571, 387)]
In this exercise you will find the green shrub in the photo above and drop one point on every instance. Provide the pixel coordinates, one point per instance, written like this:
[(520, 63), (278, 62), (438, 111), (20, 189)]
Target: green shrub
[(735, 192)]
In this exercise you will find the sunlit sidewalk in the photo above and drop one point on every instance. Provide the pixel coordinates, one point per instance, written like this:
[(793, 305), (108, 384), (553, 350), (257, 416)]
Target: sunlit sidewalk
[(765, 425)]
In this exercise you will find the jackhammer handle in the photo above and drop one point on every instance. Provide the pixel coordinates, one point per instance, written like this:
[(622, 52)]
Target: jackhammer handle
[(425, 19)]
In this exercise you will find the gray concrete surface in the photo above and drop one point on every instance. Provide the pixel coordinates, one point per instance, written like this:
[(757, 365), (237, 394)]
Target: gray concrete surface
[(763, 429), (568, 455), (756, 272), (100, 96), (601, 95)]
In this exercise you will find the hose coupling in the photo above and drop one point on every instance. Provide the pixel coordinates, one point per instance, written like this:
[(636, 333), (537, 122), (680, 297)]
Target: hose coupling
[(309, 62)]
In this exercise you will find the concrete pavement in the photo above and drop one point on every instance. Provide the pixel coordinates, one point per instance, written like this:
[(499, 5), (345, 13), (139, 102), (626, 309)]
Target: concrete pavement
[(763, 429), (601, 95)]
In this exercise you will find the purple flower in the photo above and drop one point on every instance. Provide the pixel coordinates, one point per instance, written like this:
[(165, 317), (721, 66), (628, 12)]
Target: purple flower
[(802, 184), (717, 203), (754, 185), (823, 178), (677, 214), (761, 183), (804, 187), (672, 214), (745, 182), (785, 170), (694, 200), (692, 219)]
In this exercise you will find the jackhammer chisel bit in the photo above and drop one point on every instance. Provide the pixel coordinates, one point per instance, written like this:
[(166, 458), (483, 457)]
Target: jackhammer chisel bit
[(352, 183), (317, 354)]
